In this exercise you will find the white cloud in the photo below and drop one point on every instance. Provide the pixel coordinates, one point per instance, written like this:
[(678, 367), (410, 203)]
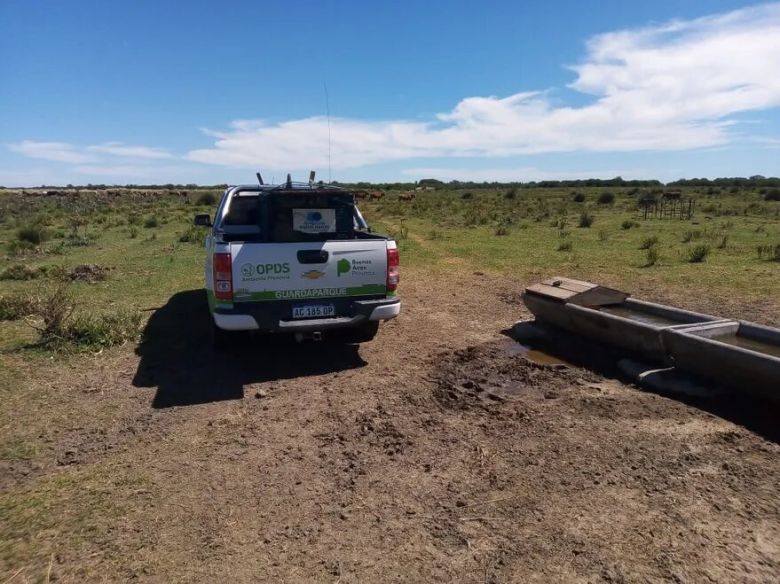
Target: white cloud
[(120, 171), (674, 86), (120, 149), (55, 151), (65, 152), (767, 142)]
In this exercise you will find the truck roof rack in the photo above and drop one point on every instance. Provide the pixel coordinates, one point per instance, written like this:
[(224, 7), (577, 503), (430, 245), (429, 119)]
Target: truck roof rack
[(293, 185)]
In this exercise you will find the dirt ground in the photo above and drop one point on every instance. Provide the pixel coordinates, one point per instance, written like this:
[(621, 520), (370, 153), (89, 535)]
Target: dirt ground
[(436, 453)]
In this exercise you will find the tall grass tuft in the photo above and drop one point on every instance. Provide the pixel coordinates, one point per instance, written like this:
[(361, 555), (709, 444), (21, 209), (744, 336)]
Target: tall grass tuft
[(698, 253), (649, 242), (586, 220), (651, 256), (606, 198), (33, 234), (769, 252)]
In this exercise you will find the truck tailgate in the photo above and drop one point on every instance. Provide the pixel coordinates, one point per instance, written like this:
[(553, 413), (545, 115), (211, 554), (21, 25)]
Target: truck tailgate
[(289, 271)]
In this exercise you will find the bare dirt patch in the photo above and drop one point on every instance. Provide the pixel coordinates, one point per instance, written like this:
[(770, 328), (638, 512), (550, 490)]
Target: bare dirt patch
[(387, 463)]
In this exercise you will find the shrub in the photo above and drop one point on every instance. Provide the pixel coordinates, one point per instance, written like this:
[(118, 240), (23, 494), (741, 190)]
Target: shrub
[(15, 307), (606, 198), (502, 230), (103, 330), (649, 242), (151, 222), (467, 195), (33, 234), (689, 236), (565, 245), (206, 199), (603, 235), (511, 193), (586, 219), (651, 256), (59, 328), (698, 253), (21, 272), (629, 224), (54, 311), (772, 194), (724, 241), (192, 235), (17, 247), (133, 232), (578, 198)]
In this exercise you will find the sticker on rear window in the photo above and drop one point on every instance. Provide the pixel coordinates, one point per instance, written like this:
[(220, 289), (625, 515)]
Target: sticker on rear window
[(314, 220)]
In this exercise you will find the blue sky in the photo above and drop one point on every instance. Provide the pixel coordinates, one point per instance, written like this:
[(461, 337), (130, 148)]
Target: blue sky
[(209, 92)]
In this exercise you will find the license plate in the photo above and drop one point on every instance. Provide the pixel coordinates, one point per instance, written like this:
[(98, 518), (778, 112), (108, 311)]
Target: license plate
[(313, 310)]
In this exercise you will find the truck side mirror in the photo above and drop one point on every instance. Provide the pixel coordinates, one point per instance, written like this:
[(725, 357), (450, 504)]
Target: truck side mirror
[(203, 220)]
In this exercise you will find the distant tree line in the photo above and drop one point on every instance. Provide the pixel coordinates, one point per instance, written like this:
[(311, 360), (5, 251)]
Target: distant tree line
[(753, 182)]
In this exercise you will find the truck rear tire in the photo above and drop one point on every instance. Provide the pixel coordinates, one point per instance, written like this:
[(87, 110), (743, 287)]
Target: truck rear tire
[(361, 334)]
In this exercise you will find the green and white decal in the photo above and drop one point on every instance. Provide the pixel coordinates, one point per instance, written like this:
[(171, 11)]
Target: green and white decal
[(304, 271)]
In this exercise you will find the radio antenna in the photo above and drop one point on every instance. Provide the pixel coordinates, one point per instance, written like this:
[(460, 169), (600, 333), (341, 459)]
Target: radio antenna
[(327, 111)]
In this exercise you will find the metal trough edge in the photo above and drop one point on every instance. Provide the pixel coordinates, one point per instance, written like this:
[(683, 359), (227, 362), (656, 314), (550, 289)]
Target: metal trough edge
[(742, 369)]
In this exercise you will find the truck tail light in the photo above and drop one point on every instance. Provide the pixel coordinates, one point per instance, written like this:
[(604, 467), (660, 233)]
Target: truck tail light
[(392, 269), (223, 276)]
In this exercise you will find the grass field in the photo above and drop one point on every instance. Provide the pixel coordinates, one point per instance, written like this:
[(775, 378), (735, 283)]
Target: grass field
[(539, 231), (145, 249)]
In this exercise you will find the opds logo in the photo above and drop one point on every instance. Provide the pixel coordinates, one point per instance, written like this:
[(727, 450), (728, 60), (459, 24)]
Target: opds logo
[(265, 271)]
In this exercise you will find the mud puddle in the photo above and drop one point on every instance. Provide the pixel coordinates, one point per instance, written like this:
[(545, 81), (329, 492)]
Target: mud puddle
[(500, 371), (514, 348)]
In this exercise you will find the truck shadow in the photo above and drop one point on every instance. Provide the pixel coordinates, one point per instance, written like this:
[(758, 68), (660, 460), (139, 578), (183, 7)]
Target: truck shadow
[(177, 358)]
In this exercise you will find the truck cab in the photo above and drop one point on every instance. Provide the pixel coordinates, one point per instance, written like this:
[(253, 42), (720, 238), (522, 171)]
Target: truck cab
[(300, 259)]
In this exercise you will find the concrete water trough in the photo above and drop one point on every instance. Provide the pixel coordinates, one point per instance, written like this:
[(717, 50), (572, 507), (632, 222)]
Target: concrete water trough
[(607, 315), (743, 355)]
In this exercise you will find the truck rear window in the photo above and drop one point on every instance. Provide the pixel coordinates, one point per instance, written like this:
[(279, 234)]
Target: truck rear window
[(289, 217), (243, 210), (244, 217)]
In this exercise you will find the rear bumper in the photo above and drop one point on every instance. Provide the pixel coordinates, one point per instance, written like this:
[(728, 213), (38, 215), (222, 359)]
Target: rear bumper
[(275, 316)]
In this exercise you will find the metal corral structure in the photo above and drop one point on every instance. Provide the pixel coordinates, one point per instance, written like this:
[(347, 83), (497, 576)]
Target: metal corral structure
[(743, 355), (669, 206)]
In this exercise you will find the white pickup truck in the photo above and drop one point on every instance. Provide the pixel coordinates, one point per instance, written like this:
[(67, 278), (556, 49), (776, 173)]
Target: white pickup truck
[(298, 259)]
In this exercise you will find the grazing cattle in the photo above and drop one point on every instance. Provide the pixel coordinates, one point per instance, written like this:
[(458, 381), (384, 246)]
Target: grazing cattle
[(361, 194), (406, 196), (377, 195)]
